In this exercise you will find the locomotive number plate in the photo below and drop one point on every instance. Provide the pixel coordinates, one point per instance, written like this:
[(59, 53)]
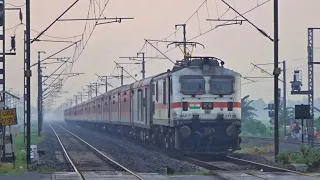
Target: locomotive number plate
[(207, 111)]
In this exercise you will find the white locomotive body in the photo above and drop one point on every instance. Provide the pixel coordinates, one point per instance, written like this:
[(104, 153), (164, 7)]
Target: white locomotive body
[(195, 107)]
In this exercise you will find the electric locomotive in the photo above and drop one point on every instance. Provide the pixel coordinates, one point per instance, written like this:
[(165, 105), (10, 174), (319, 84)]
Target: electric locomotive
[(202, 112), (194, 108)]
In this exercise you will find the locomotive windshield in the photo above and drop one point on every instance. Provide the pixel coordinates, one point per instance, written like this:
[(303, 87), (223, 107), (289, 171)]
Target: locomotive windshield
[(191, 84), (221, 85)]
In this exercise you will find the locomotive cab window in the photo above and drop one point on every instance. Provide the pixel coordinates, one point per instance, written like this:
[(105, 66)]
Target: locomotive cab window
[(192, 85), (221, 85)]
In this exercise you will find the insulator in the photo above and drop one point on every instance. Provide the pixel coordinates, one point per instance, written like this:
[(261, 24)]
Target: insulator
[(13, 43), (20, 16)]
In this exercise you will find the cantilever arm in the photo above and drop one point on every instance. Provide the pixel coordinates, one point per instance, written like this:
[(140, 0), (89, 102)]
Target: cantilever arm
[(177, 43)]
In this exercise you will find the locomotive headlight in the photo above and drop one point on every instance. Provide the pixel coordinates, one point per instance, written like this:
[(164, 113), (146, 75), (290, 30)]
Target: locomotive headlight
[(185, 131), (207, 105), (232, 131)]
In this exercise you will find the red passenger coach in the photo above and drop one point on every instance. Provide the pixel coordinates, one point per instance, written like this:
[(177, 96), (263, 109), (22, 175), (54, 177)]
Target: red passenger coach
[(125, 105)]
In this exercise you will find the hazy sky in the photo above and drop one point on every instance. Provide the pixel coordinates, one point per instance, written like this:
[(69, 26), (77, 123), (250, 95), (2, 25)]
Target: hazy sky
[(237, 45)]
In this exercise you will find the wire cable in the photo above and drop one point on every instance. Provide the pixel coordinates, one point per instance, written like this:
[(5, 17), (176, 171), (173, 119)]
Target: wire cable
[(206, 32), (15, 5), (77, 53)]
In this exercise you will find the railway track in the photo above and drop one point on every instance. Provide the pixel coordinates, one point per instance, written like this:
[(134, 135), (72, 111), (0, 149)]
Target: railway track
[(281, 140), (247, 168), (235, 164), (84, 158), (233, 167), (230, 164)]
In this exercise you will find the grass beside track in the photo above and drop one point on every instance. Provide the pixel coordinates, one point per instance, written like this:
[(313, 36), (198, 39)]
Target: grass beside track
[(20, 153), (264, 149)]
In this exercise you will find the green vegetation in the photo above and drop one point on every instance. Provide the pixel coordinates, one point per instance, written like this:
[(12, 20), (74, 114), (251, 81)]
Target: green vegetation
[(253, 127), (306, 155), (20, 153), (247, 111), (318, 123), (250, 125)]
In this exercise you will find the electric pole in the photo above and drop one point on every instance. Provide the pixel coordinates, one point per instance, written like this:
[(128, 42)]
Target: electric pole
[(28, 80), (3, 70), (81, 96), (76, 96), (40, 98), (143, 62), (121, 76), (143, 71), (122, 70), (105, 79), (276, 73), (96, 85), (284, 96), (89, 90), (133, 58)]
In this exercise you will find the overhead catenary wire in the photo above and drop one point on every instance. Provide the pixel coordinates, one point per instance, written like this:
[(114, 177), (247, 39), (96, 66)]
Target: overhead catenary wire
[(202, 33), (80, 47), (203, 3), (76, 56), (40, 34), (13, 5)]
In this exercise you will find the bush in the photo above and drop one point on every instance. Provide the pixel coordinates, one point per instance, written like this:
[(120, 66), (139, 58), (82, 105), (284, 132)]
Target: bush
[(283, 158), (306, 155), (254, 127)]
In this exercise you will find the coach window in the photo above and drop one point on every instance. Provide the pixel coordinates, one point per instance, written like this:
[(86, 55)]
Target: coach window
[(157, 91), (164, 92)]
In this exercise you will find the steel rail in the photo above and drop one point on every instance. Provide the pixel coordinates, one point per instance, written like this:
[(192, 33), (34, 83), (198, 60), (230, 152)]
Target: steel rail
[(103, 155), (237, 161), (210, 166), (281, 140), (265, 167), (204, 164), (66, 155)]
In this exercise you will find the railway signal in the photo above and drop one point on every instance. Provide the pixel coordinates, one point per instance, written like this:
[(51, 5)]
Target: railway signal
[(297, 83), (302, 112), (271, 108)]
